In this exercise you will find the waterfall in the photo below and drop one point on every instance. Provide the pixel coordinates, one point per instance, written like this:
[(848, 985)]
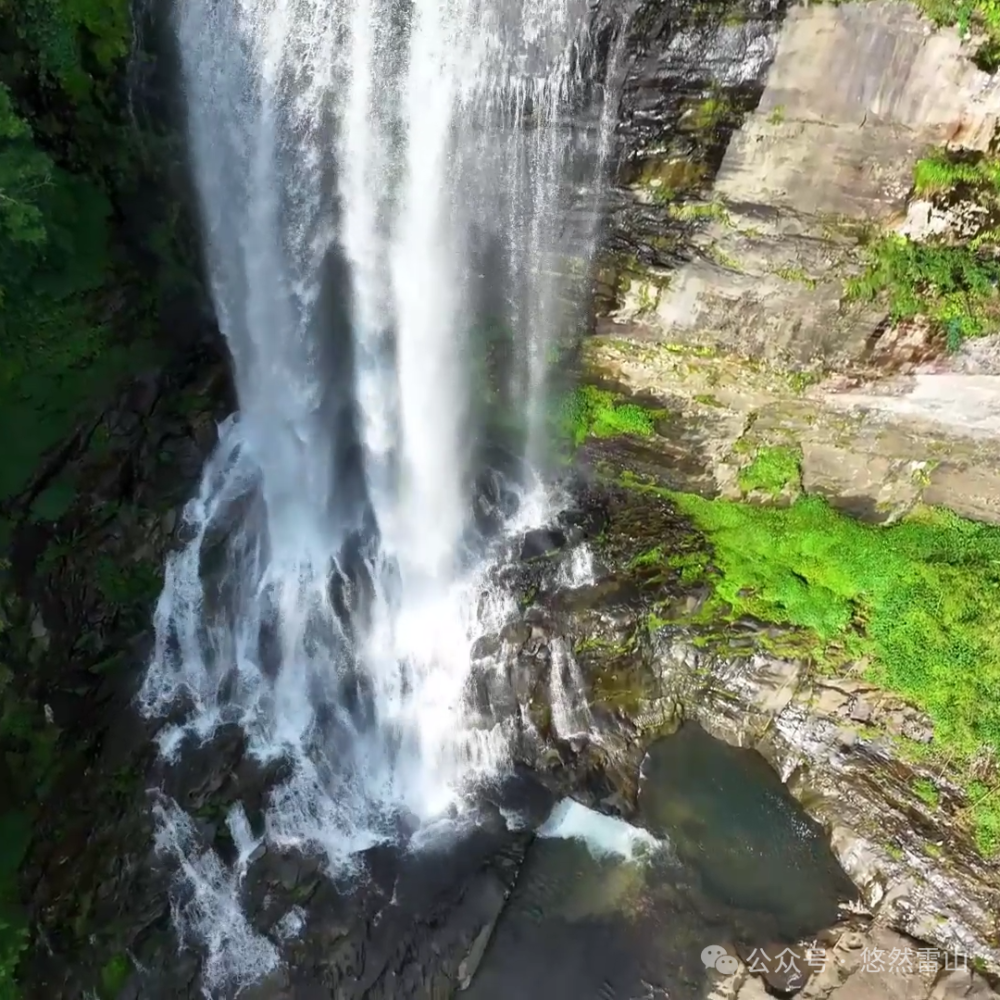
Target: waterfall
[(391, 196)]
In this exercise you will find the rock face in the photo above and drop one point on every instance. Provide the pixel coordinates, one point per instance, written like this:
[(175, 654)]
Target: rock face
[(643, 668), (728, 257)]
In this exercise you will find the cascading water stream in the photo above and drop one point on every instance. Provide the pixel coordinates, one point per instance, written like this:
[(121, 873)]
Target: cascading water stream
[(380, 182)]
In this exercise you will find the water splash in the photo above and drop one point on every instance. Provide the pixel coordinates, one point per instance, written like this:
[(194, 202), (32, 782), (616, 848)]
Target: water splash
[(605, 836), (567, 693), (208, 911), (379, 182)]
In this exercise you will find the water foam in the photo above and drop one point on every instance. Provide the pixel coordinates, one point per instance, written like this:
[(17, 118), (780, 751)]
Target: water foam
[(374, 182), (605, 836)]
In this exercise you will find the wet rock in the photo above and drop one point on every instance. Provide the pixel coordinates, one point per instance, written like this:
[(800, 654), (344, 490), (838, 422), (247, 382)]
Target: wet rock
[(542, 542), (486, 647), (490, 692), (494, 502), (583, 523), (204, 774), (516, 633)]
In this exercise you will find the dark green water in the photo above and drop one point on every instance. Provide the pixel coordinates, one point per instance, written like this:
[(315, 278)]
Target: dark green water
[(602, 910)]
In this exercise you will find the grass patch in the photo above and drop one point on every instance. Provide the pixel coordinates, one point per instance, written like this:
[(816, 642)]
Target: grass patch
[(916, 600), (590, 411), (953, 286), (943, 171), (927, 792), (772, 469)]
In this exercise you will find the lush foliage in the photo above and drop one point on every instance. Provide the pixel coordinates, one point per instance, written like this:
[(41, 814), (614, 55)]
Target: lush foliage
[(65, 154), (916, 600), (952, 284), (943, 171), (955, 287)]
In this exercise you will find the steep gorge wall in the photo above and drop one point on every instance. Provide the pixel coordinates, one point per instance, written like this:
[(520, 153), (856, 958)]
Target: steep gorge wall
[(724, 292)]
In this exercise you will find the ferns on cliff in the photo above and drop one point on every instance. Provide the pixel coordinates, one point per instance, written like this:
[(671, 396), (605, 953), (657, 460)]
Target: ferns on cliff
[(942, 172), (953, 286)]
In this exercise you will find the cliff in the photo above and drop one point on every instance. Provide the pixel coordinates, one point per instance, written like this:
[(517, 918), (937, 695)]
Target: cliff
[(752, 281)]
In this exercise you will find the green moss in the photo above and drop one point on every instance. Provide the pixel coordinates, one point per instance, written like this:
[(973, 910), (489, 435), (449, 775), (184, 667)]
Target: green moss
[(798, 382), (777, 115), (916, 600), (927, 792), (772, 469), (590, 411), (724, 259), (894, 852), (694, 211), (113, 976), (667, 179), (795, 274)]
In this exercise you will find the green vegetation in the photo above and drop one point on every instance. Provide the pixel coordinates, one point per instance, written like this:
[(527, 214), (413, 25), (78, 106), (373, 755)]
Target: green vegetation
[(595, 412), (953, 286), (772, 469), (796, 274), (927, 791), (979, 16), (113, 976), (715, 110), (92, 240), (777, 115), (915, 600), (714, 211), (895, 852), (668, 179), (74, 309), (943, 171)]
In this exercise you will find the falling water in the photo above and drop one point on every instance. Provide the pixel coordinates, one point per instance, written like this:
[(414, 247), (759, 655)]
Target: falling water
[(388, 191)]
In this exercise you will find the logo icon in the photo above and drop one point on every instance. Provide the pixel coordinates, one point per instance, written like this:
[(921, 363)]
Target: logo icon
[(716, 957)]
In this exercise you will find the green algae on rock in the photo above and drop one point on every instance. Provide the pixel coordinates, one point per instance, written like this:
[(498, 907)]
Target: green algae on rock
[(592, 411), (772, 469)]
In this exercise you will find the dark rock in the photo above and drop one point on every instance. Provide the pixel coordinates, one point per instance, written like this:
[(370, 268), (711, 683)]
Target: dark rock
[(486, 647), (542, 542)]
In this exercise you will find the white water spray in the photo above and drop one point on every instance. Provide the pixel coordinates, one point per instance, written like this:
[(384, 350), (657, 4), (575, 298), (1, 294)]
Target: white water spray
[(378, 180)]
